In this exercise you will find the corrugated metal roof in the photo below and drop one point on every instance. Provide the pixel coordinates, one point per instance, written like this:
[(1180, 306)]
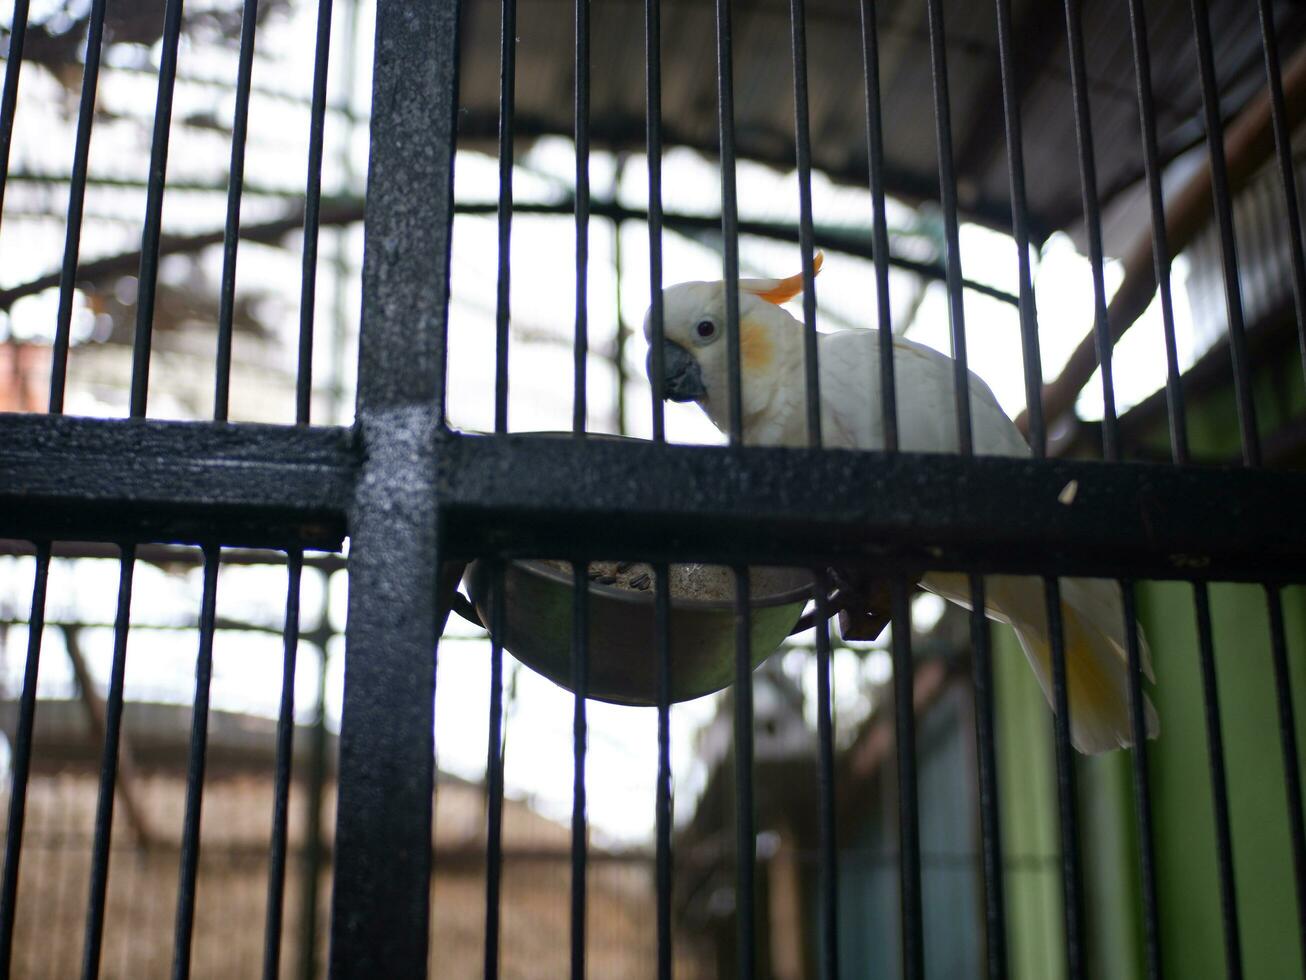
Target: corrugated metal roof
[(764, 87)]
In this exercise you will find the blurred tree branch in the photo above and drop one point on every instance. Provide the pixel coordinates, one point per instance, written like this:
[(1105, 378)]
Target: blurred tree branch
[(345, 211), (58, 40)]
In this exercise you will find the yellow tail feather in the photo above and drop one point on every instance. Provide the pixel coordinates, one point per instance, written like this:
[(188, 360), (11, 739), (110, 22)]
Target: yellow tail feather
[(1098, 675)]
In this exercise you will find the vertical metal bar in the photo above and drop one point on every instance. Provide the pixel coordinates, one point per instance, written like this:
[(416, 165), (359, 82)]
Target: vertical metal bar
[(22, 758), (284, 761), (9, 98), (1160, 243), (1228, 245), (981, 662), (147, 280), (913, 943), (1291, 758), (948, 194), (507, 115), (662, 632), (384, 807), (806, 244), (310, 871), (1219, 783), (880, 224), (108, 771), (76, 201), (1287, 172), (729, 214), (199, 737), (995, 918), (1020, 232), (494, 780), (909, 830), (1111, 451), (312, 213), (653, 144), (235, 186), (580, 686), (745, 829), (1092, 220), (661, 572), (622, 341), (342, 274), (1072, 877), (381, 892), (828, 907), (1142, 785), (580, 348), (909, 844)]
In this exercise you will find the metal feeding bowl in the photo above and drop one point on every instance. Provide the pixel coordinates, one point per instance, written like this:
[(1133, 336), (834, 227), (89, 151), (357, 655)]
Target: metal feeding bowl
[(623, 646)]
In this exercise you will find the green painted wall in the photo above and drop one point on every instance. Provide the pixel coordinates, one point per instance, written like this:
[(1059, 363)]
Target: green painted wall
[(1187, 873), (1028, 816), (1188, 884)]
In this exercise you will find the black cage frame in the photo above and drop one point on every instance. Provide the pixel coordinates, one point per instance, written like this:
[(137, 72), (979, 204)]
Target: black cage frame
[(411, 494)]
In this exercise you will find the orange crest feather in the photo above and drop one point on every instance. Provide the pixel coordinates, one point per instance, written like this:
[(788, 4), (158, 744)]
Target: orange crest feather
[(779, 291)]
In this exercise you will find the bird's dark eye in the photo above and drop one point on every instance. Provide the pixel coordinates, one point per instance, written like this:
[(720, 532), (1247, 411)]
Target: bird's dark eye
[(705, 329)]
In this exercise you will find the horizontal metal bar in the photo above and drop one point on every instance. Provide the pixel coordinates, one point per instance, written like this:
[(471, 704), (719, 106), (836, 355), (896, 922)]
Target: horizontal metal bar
[(567, 497), (274, 486), (141, 480), (167, 554)]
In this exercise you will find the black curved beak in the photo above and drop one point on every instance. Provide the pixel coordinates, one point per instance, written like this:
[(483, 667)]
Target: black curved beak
[(682, 380)]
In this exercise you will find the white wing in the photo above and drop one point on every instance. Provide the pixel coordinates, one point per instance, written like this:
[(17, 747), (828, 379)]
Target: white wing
[(923, 379), (1092, 614)]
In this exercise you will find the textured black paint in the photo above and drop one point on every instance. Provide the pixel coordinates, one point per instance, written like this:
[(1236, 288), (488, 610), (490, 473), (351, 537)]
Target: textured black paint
[(277, 486), (383, 835), (544, 495), (381, 890), (136, 480)]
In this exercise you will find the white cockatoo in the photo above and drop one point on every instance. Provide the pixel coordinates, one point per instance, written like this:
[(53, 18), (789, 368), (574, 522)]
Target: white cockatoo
[(695, 354)]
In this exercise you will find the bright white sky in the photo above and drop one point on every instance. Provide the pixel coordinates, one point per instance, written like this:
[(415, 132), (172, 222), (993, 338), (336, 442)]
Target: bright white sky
[(247, 669)]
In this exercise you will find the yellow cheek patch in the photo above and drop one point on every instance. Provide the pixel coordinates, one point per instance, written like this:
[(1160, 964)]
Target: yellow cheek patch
[(756, 351)]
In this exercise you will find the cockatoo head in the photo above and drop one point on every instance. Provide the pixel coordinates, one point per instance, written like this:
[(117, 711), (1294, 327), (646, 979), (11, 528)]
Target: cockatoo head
[(695, 354)]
